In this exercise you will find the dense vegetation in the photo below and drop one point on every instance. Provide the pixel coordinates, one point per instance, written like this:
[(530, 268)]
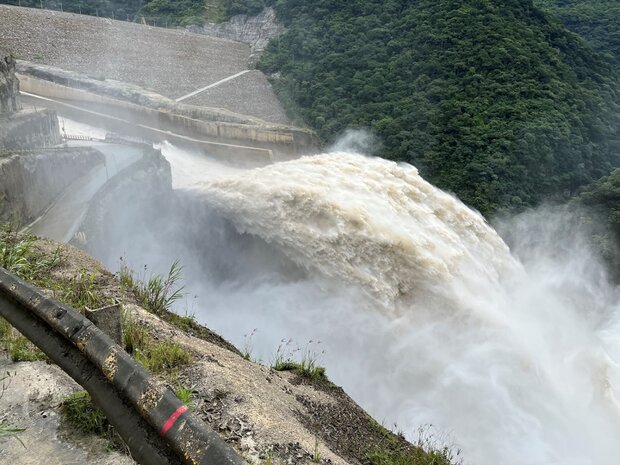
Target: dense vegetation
[(490, 99), (603, 200), (158, 12), (494, 100), (597, 21), (107, 8)]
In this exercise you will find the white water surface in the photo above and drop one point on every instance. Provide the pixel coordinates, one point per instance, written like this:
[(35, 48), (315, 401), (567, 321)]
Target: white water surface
[(424, 314), (518, 362)]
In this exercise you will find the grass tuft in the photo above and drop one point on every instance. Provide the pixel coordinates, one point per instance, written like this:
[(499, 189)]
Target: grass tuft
[(82, 291), (17, 346), (393, 450), (80, 412), (183, 322), (185, 395), (19, 255), (162, 357), (248, 345), (157, 357), (82, 415), (22, 350), (156, 293), (307, 367), (316, 454)]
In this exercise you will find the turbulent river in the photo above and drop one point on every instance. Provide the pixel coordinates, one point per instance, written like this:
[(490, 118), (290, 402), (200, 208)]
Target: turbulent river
[(423, 313)]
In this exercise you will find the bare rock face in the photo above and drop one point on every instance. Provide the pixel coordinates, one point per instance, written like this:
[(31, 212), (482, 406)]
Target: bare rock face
[(256, 31), (9, 85)]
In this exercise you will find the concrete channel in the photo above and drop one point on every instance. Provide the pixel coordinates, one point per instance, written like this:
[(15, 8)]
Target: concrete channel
[(62, 219)]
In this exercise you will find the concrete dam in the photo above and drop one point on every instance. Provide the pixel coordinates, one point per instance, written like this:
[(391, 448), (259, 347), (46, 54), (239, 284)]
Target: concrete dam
[(411, 300), (61, 83)]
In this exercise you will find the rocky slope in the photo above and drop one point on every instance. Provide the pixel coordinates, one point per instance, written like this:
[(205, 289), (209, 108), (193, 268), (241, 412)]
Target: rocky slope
[(256, 31), (266, 415), (180, 63)]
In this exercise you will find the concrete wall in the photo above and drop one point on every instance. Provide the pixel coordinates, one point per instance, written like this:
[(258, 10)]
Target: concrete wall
[(29, 182), (29, 129), (22, 129), (9, 85), (147, 184), (278, 138)]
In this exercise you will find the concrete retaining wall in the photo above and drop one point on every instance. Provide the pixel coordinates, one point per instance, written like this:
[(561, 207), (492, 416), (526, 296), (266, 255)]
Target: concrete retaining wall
[(282, 139), (9, 86), (29, 129), (30, 181)]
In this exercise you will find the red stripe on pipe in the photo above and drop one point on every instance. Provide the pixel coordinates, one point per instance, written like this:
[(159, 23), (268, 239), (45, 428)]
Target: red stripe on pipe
[(173, 419)]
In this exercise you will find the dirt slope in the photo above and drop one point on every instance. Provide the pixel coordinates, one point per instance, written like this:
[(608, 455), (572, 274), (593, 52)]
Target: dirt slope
[(261, 412)]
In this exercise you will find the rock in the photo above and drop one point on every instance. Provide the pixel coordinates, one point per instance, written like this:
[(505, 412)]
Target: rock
[(256, 31)]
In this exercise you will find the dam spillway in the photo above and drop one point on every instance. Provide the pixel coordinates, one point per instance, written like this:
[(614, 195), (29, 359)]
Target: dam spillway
[(309, 249)]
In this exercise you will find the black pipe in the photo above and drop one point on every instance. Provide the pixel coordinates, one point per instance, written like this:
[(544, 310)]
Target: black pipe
[(145, 447), (186, 434)]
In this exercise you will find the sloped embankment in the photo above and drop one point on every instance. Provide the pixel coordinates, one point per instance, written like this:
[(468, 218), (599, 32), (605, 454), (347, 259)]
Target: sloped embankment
[(267, 415)]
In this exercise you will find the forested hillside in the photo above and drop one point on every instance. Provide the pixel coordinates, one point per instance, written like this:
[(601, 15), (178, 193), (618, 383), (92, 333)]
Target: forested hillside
[(603, 199), (597, 21), (108, 8), (490, 99), (494, 100), (158, 12)]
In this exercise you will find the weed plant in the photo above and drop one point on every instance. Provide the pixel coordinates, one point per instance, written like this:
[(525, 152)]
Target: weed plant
[(18, 348), (316, 454), (307, 367), (393, 450), (157, 357), (7, 430), (19, 256), (83, 416), (157, 293), (185, 395), (82, 291), (248, 345)]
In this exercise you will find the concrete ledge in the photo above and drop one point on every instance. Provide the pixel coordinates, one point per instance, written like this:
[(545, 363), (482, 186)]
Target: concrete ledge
[(31, 180), (151, 108), (232, 153)]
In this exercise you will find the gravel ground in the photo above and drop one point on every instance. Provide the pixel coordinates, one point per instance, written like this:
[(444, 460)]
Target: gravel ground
[(32, 399), (169, 61)]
